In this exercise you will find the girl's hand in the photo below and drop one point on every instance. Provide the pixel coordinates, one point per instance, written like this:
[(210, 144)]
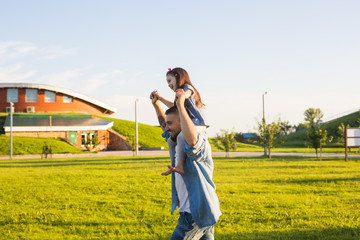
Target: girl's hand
[(156, 94), (154, 97)]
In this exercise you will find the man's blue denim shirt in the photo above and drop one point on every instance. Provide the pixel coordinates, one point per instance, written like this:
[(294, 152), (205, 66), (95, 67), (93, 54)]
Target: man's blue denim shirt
[(198, 173)]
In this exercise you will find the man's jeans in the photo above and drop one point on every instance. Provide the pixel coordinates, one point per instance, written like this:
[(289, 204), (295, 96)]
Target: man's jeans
[(187, 229)]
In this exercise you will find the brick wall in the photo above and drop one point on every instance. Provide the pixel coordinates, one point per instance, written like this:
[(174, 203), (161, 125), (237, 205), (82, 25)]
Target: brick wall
[(117, 141), (77, 105)]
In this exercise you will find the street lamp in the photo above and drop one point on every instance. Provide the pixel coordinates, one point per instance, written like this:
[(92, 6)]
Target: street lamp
[(264, 122), (136, 128), (11, 128)]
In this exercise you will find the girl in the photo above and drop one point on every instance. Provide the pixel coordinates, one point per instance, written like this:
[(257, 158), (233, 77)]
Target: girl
[(178, 78)]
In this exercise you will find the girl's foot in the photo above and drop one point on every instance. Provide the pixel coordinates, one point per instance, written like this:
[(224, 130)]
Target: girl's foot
[(167, 172), (173, 169)]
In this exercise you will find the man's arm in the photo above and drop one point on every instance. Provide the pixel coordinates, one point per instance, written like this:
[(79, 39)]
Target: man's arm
[(187, 126), (159, 112)]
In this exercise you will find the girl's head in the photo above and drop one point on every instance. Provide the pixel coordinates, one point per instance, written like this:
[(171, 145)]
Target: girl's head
[(178, 78)]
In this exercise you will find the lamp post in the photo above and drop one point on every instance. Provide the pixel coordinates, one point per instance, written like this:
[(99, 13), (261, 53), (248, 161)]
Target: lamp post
[(11, 127), (264, 122), (136, 128)]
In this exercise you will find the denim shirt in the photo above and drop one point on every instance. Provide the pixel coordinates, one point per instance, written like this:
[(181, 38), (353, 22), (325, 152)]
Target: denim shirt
[(197, 115), (198, 172)]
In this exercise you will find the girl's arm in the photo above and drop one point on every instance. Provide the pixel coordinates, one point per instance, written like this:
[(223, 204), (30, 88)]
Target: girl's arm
[(188, 93), (165, 101)]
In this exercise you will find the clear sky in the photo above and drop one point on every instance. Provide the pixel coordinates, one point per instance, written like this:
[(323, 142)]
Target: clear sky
[(304, 53)]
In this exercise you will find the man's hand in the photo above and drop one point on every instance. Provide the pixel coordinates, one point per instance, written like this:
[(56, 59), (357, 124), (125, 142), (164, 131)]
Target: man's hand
[(154, 96), (180, 97)]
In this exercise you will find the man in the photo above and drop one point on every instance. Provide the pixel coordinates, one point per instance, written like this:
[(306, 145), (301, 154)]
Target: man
[(194, 191)]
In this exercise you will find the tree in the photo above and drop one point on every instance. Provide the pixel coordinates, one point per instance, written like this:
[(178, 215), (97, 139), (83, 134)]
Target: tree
[(313, 116), (324, 140), (285, 128), (316, 136), (91, 142), (239, 137), (131, 143), (269, 135), (301, 127), (341, 132), (225, 140)]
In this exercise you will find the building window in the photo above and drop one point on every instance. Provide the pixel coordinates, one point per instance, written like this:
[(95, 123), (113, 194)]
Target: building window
[(67, 99), (12, 95), (31, 95), (50, 96), (85, 135)]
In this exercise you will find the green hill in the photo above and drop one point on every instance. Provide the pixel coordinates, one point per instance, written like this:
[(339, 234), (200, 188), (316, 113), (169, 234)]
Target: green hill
[(149, 136), (31, 145), (298, 139)]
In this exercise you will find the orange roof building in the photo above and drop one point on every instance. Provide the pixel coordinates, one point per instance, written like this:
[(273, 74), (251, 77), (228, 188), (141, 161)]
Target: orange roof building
[(29, 97), (74, 128)]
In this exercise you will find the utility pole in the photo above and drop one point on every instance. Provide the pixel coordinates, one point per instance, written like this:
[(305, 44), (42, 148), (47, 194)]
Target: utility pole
[(136, 128), (11, 126), (264, 122)]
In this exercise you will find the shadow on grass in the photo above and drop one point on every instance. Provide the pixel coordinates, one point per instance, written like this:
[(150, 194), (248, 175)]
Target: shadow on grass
[(260, 158), (331, 233), (312, 181), (263, 158), (323, 234), (79, 162), (285, 167), (251, 159), (341, 233), (160, 159), (294, 167)]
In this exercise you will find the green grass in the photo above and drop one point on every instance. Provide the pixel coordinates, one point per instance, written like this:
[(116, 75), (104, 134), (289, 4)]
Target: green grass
[(32, 145), (127, 198), (243, 147), (149, 136), (311, 150)]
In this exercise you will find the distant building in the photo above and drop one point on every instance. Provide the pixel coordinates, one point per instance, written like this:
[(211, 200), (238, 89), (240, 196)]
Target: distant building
[(30, 98), (248, 137), (50, 102)]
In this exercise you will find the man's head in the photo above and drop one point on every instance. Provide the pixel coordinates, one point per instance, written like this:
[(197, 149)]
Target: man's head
[(172, 121)]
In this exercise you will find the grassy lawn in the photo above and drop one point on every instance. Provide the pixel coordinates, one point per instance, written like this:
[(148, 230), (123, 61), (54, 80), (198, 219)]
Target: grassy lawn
[(32, 145), (127, 198)]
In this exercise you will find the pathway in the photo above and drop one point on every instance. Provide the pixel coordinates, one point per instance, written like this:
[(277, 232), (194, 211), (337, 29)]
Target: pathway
[(166, 153)]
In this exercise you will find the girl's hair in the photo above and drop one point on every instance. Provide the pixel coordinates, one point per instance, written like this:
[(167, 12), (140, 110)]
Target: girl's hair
[(182, 78)]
